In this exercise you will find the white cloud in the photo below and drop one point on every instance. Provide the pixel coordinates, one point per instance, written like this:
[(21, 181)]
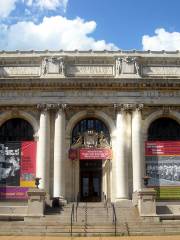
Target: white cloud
[(162, 40), (52, 33), (48, 4), (6, 7)]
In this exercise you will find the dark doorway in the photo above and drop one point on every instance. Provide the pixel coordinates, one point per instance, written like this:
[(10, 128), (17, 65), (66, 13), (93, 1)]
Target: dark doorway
[(90, 180)]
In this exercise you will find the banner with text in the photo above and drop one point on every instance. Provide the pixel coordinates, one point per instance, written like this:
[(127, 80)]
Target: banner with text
[(94, 154), (163, 162), (17, 169)]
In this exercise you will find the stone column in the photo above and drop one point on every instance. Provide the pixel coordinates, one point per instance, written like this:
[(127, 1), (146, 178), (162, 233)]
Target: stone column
[(43, 148), (121, 161), (137, 148), (59, 154)]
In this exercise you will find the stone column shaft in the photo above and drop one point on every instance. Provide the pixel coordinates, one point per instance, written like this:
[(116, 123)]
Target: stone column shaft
[(136, 150), (59, 154), (121, 161), (43, 150)]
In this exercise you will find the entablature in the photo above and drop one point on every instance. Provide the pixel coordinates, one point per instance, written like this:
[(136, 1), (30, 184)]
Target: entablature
[(90, 64)]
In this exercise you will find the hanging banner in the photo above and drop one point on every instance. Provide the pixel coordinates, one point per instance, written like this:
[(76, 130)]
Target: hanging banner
[(95, 154), (163, 162), (16, 193), (10, 157), (17, 169), (160, 148), (28, 164)]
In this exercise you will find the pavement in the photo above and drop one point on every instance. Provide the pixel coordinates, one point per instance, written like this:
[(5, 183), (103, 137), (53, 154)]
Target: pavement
[(90, 238)]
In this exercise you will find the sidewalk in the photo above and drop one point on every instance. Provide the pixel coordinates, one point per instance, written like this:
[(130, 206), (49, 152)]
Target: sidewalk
[(90, 238)]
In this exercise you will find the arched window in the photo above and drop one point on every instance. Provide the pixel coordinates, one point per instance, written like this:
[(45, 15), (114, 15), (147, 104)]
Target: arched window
[(164, 129), (90, 124), (16, 129)]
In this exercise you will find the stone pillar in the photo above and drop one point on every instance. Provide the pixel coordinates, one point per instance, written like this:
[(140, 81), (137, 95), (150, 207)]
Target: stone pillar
[(147, 202), (36, 202), (59, 154), (43, 149), (137, 149), (121, 161)]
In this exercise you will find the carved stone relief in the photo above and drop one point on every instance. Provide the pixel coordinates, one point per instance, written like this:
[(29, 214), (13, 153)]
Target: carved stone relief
[(127, 65), (54, 65)]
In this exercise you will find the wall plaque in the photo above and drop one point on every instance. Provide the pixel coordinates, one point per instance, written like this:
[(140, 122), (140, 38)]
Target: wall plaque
[(161, 70), (93, 70), (19, 71)]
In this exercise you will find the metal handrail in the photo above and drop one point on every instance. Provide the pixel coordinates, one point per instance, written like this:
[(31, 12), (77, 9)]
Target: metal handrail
[(72, 217), (77, 205), (105, 202), (114, 219)]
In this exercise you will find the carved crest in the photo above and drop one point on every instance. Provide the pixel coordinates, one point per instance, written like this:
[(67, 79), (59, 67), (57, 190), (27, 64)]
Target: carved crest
[(91, 139)]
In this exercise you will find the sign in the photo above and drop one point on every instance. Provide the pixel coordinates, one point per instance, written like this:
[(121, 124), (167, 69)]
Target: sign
[(163, 162), (13, 193), (10, 157), (95, 153), (28, 164), (160, 148), (17, 169)]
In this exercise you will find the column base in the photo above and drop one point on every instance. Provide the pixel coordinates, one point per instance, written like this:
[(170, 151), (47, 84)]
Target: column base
[(62, 201), (58, 202), (123, 203)]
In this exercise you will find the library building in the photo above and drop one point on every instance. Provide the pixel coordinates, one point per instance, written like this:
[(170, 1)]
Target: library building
[(89, 125)]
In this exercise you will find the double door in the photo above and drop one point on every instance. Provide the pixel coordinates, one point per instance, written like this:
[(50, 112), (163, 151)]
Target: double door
[(90, 180)]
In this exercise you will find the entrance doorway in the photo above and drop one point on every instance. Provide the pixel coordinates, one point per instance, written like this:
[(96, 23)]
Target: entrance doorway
[(90, 180)]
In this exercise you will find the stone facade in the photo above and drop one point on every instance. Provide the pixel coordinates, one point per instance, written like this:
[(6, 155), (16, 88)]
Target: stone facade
[(125, 90)]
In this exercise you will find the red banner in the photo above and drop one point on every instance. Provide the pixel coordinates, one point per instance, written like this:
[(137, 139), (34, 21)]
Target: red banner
[(28, 164), (162, 148), (95, 154)]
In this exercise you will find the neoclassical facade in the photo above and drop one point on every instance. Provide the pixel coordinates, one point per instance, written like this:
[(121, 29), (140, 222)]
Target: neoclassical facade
[(90, 115)]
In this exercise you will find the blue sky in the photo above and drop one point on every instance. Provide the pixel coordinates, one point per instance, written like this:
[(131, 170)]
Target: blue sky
[(89, 24), (125, 22)]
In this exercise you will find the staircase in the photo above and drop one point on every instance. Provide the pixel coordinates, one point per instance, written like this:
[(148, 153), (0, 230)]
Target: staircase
[(92, 219)]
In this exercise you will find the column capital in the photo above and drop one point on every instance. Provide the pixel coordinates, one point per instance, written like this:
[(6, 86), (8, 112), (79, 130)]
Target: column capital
[(127, 107), (60, 107), (138, 107), (166, 110), (44, 107), (51, 106)]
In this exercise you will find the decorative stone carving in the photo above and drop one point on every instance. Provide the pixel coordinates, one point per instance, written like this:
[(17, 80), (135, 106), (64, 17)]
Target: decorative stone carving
[(127, 65), (44, 67), (123, 107), (91, 139), (166, 110), (53, 66)]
